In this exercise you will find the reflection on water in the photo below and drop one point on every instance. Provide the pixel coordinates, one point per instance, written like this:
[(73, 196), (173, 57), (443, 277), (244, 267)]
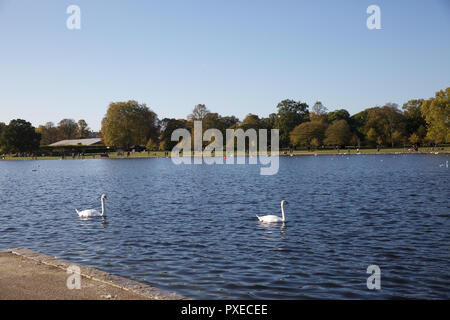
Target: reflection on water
[(273, 228), (192, 228), (99, 220)]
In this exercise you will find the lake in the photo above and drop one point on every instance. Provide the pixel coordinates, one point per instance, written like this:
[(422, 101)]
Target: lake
[(192, 229)]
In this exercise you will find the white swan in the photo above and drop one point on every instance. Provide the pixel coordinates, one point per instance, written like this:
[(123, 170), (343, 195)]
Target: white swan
[(91, 212), (272, 218)]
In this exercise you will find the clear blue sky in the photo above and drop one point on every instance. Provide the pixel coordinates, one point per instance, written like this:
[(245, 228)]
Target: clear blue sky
[(235, 56)]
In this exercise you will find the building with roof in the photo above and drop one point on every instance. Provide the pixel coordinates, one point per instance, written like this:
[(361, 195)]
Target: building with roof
[(78, 142)]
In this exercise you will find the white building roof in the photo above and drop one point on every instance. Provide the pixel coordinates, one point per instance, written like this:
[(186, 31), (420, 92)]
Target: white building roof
[(76, 142)]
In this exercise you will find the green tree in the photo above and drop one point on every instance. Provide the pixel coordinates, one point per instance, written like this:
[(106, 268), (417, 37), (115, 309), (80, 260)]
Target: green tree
[(2, 126), (436, 112), (129, 123), (372, 136), (251, 121), (151, 145), (422, 133), (318, 112), (167, 127), (338, 133), (49, 133), (304, 133), (412, 110), (355, 141), (83, 129), (67, 129), (290, 114), (271, 121), (414, 138), (385, 121), (199, 113), (19, 136), (358, 126), (315, 142), (395, 123), (214, 121), (340, 114), (398, 138), (230, 121)]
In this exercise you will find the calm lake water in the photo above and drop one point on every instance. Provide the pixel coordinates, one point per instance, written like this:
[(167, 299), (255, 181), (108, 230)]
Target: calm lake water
[(192, 229)]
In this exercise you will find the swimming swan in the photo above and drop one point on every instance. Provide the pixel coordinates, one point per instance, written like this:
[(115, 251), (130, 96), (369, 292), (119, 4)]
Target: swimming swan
[(92, 212), (272, 218)]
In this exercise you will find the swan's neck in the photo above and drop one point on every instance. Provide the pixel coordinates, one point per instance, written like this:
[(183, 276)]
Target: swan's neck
[(103, 206), (282, 211)]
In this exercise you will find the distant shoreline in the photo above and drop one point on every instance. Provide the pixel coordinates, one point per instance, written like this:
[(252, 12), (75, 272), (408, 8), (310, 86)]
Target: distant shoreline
[(295, 154)]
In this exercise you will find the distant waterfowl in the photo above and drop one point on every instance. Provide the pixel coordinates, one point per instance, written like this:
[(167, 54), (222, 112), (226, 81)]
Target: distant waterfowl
[(91, 212), (273, 218)]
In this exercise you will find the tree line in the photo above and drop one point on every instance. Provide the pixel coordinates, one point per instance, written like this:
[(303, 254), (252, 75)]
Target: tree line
[(126, 124), (417, 122), (66, 129), (20, 136)]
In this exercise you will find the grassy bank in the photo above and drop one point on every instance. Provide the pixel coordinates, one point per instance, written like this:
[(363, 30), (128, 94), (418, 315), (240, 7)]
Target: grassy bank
[(161, 154), (375, 151)]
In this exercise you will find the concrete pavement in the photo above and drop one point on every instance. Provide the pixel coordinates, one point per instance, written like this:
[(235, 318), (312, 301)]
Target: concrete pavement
[(25, 274)]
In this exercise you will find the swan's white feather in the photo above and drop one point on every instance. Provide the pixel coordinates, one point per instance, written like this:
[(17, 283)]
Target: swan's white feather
[(92, 212), (270, 218), (88, 213)]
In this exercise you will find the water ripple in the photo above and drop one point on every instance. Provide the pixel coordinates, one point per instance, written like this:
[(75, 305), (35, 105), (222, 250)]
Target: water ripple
[(193, 230)]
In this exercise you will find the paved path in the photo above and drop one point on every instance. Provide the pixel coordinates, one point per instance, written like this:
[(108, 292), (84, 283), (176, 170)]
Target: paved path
[(25, 274)]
